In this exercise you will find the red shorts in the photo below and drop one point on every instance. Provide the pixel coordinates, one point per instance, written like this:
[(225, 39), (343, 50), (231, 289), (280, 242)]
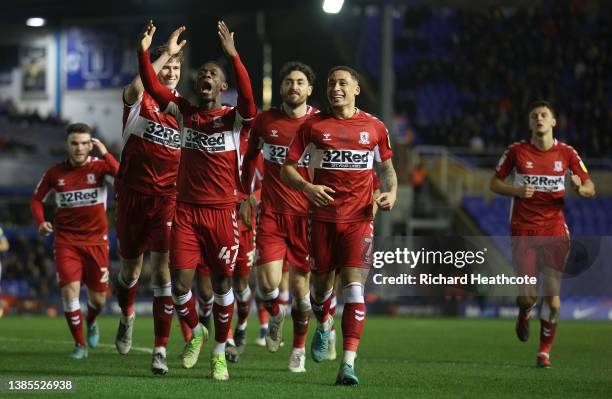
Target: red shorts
[(535, 249), (337, 245), (143, 223), (247, 243), (204, 235), (203, 270), (282, 237), (87, 264)]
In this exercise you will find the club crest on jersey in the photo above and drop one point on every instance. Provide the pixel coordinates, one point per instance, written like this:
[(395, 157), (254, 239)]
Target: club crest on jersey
[(91, 178), (273, 133), (326, 136), (364, 138), (61, 182), (558, 166), (529, 165), (217, 122)]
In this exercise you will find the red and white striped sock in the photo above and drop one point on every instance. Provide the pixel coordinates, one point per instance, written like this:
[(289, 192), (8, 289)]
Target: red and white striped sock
[(353, 320), (321, 308), (186, 309), (74, 318), (163, 310), (223, 310)]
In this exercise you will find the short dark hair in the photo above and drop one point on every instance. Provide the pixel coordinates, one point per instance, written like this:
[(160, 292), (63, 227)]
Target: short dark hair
[(354, 73), (297, 66), (78, 128), (218, 65), (158, 51), (542, 103)]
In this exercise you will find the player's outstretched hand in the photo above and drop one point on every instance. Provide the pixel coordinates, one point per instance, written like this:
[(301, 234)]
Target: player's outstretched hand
[(576, 182), (319, 194), (100, 146), (227, 39), (45, 229), (526, 191), (146, 37), (386, 201), (173, 46)]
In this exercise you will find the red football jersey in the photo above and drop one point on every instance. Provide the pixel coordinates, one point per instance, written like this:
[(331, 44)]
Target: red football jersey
[(209, 169), (272, 133), (342, 152), (80, 195), (546, 171), (151, 149)]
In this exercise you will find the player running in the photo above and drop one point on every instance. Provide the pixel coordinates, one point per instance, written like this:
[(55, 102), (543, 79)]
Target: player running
[(146, 198), (343, 143), (331, 351), (540, 237), (205, 228), (282, 231), (81, 229)]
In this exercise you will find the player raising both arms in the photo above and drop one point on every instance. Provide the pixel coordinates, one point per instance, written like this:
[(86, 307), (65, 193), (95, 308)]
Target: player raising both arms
[(343, 143), (205, 228), (282, 231), (146, 198), (540, 237), (81, 229)]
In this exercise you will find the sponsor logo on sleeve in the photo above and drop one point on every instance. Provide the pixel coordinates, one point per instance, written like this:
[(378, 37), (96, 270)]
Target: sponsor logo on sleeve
[(583, 167)]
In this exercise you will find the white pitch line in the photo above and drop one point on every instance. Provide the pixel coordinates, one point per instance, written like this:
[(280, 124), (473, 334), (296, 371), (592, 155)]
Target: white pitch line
[(51, 341)]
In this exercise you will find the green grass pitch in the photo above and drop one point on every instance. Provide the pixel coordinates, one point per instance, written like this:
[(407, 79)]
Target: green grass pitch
[(398, 358)]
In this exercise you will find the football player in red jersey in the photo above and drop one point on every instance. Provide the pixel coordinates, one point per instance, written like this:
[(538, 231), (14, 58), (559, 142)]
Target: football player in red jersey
[(331, 352), (343, 143), (81, 229), (146, 197), (205, 227), (540, 237), (282, 230)]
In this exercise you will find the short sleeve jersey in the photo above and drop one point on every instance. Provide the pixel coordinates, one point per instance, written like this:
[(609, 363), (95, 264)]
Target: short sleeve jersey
[(272, 133), (80, 196), (151, 149), (342, 152), (546, 171)]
